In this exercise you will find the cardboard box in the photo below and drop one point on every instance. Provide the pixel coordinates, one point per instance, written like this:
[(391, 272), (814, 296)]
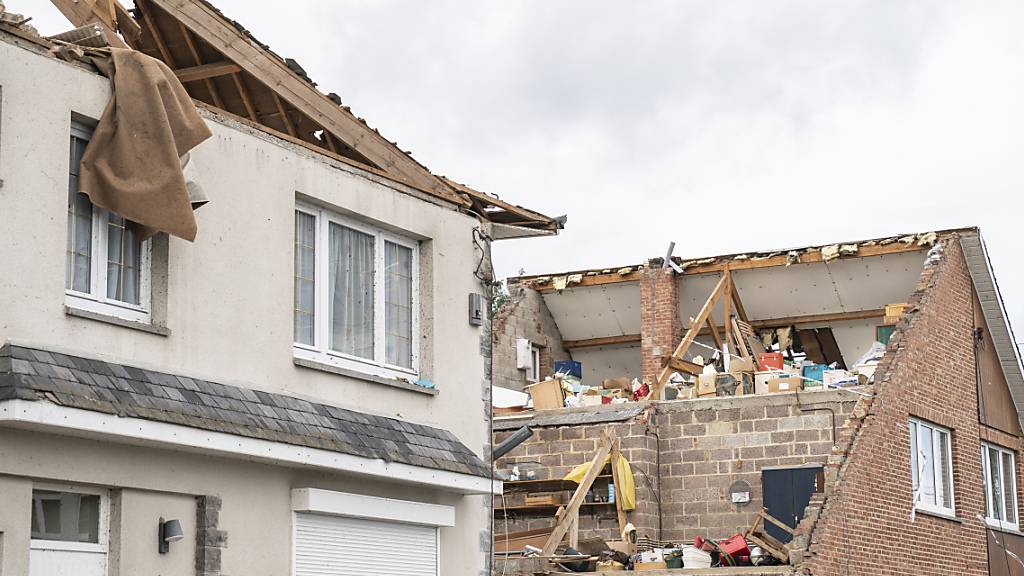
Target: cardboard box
[(706, 385), (545, 499), (790, 384), (737, 364), (641, 566), (547, 395), (591, 400), (623, 382)]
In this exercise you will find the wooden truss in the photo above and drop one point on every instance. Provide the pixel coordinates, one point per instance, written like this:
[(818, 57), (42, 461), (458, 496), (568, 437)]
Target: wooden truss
[(735, 339), (223, 67), (567, 518)]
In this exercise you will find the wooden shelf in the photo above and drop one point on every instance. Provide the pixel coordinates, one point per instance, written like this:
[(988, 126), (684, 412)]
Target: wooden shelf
[(549, 508)]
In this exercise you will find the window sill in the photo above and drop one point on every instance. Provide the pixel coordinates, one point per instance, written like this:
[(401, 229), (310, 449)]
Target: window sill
[(942, 515), (393, 382), (1002, 530), (114, 320)]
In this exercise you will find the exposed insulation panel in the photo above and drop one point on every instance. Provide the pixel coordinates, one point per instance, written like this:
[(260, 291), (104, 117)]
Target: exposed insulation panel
[(592, 311)]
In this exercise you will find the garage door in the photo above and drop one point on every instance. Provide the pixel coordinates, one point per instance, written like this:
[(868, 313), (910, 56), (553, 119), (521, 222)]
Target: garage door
[(340, 546)]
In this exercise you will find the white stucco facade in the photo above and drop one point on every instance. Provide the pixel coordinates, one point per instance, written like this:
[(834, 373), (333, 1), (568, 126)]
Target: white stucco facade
[(226, 315)]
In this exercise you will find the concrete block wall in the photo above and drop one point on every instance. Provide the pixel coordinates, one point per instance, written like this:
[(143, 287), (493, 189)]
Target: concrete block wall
[(525, 315), (556, 450), (688, 453)]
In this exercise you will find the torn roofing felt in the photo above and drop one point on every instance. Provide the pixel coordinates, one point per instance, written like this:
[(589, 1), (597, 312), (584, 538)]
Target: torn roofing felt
[(39, 375), (133, 161), (223, 66)]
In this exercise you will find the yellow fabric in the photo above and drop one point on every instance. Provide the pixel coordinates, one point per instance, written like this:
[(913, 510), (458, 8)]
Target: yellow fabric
[(627, 491)]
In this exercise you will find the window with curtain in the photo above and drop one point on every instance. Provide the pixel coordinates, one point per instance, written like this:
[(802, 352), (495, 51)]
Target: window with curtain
[(355, 294), (999, 468), (931, 467), (106, 265)]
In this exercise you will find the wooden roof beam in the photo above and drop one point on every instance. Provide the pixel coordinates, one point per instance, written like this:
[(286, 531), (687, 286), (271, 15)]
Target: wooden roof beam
[(206, 71), (82, 12), (213, 28), (730, 265)]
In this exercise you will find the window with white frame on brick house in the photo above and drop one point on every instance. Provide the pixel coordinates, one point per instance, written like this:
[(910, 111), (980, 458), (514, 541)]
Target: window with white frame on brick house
[(107, 265), (999, 468), (356, 295), (931, 463)]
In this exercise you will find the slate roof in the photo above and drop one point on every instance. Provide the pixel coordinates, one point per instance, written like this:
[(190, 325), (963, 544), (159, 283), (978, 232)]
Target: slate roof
[(39, 375)]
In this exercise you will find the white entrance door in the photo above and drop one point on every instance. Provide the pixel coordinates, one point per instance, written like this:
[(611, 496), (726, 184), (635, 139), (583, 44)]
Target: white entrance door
[(341, 546), (69, 533)]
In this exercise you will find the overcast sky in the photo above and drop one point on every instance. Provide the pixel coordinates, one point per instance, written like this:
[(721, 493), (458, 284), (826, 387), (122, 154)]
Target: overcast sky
[(725, 126)]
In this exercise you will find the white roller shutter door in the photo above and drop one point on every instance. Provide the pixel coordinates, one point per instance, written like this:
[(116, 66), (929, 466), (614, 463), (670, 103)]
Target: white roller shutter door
[(340, 546)]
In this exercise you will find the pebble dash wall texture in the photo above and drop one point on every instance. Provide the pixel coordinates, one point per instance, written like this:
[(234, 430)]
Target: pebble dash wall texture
[(928, 373), (525, 315)]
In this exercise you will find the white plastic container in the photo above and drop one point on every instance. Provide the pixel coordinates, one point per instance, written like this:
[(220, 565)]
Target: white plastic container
[(695, 558)]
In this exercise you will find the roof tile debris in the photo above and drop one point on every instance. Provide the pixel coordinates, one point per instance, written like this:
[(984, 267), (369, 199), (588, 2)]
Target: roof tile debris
[(127, 391)]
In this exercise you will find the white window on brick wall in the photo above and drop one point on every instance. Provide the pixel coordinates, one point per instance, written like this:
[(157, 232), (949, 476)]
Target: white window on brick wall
[(107, 267), (932, 467), (356, 295), (999, 467)]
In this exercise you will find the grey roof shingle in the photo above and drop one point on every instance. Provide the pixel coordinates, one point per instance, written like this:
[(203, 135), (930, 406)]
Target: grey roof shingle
[(32, 374)]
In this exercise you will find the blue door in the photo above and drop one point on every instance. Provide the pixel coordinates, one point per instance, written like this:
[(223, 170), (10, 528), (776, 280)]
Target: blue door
[(787, 491)]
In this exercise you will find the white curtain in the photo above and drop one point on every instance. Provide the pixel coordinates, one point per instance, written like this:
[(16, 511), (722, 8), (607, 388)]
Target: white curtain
[(398, 304), (351, 291)]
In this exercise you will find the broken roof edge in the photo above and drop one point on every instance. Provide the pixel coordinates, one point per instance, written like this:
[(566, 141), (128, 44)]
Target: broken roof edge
[(710, 264), (466, 198)]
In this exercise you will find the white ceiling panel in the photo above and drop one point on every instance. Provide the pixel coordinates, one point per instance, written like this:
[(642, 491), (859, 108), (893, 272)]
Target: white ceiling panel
[(596, 311), (608, 362), (843, 285)]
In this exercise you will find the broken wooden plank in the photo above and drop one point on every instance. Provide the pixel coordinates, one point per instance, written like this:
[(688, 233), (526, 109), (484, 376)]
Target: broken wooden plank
[(616, 454), (572, 509), (82, 13)]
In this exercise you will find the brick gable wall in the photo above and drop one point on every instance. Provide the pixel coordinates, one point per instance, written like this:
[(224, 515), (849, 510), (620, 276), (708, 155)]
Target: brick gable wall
[(865, 526)]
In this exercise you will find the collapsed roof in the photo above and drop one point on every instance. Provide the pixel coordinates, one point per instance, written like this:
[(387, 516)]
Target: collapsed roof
[(843, 287), (224, 67)]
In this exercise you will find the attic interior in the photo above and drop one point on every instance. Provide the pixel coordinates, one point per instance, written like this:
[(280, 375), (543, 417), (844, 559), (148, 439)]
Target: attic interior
[(837, 310)]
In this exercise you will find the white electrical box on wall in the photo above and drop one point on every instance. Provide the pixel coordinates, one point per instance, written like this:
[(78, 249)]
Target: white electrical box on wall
[(524, 360)]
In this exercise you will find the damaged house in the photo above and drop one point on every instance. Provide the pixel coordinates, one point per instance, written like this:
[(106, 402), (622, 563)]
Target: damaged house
[(853, 408), (293, 379)]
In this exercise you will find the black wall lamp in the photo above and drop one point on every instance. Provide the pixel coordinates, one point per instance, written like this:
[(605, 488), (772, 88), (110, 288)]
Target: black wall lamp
[(170, 531)]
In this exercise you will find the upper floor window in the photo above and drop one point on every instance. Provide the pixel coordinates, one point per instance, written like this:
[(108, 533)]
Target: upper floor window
[(931, 467), (107, 267), (356, 302), (999, 467)]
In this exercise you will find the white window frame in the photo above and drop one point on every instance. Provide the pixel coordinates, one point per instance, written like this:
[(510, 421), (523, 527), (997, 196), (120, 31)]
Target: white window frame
[(96, 299), (535, 362), (933, 430), (987, 482), (103, 533), (320, 350)]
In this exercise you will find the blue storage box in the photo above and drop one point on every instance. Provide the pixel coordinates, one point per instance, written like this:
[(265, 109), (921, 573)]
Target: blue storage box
[(570, 367), (814, 372)]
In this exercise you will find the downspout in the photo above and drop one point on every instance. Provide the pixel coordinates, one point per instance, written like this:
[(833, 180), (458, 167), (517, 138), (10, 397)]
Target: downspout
[(484, 273)]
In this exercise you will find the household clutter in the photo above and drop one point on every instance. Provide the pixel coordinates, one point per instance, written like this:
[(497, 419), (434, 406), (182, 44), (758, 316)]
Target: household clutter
[(763, 362), (607, 480)]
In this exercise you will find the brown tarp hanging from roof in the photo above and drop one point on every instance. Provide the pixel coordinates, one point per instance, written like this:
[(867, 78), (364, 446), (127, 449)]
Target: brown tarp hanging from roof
[(132, 163)]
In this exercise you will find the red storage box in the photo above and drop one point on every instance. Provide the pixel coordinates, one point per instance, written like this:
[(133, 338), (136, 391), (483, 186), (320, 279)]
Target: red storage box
[(735, 546), (769, 361)]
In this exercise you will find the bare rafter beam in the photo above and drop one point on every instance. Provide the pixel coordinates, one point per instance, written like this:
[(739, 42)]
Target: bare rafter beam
[(243, 93), (215, 30), (603, 341), (284, 115), (80, 13), (204, 71), (154, 32)]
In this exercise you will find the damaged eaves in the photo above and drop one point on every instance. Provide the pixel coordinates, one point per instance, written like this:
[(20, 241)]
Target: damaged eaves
[(740, 261), (224, 67)]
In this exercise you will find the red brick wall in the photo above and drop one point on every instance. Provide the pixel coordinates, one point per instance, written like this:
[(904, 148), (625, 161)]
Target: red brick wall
[(865, 526), (659, 318)]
